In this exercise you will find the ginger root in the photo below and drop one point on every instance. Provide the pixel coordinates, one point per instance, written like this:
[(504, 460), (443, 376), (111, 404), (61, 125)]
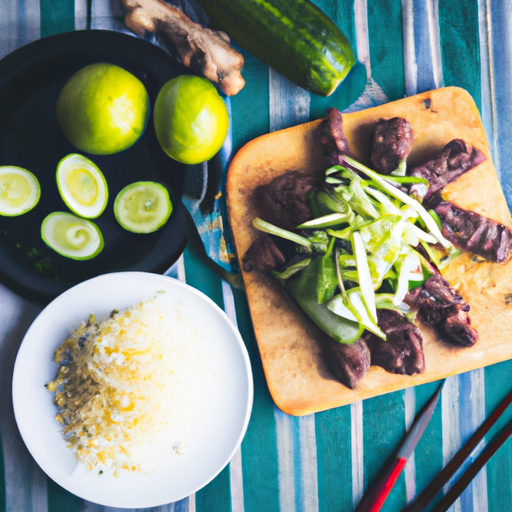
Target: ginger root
[(204, 51)]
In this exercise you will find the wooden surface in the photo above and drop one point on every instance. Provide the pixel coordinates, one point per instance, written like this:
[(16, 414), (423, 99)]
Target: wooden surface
[(297, 378), (323, 461)]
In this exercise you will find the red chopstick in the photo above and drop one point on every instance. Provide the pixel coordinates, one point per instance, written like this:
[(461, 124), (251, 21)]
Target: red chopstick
[(434, 487), (376, 495)]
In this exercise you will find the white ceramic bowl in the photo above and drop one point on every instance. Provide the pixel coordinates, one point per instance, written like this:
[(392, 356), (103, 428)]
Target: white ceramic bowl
[(221, 411)]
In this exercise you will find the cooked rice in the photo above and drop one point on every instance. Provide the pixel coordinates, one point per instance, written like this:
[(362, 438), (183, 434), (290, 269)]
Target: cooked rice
[(117, 385)]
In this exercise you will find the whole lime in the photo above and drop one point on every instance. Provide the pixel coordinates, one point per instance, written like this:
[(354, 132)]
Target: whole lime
[(103, 109), (191, 119)]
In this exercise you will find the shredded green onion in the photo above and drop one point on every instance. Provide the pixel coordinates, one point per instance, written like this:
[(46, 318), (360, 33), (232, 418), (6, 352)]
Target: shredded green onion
[(332, 219), (365, 278), (267, 227), (415, 205)]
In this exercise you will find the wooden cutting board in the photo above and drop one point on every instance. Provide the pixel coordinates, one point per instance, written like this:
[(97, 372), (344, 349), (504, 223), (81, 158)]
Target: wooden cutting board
[(298, 380)]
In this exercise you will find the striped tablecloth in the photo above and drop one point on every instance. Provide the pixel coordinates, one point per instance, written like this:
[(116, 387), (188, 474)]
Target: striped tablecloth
[(321, 462)]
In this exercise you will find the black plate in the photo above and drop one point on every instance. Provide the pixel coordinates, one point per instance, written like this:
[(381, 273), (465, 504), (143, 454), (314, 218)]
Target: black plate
[(31, 79)]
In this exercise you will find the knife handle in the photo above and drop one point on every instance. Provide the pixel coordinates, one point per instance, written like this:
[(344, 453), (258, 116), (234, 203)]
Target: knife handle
[(376, 496)]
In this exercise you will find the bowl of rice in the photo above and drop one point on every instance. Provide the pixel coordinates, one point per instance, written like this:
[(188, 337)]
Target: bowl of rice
[(141, 387)]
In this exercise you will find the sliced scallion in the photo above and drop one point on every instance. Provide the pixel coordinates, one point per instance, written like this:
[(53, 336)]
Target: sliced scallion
[(365, 278), (292, 269), (422, 235), (389, 207), (357, 302), (343, 234), (409, 264), (405, 179), (267, 227), (335, 204), (409, 201), (333, 219), (333, 170)]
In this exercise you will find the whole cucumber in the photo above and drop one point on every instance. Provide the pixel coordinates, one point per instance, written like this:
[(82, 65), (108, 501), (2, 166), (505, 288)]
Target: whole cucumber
[(294, 37)]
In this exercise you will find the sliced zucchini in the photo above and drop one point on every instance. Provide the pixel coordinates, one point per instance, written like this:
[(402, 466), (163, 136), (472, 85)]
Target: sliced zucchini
[(19, 191), (82, 186), (72, 236), (143, 207)]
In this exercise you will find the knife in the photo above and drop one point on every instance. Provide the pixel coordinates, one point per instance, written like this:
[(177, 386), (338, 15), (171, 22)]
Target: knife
[(376, 495)]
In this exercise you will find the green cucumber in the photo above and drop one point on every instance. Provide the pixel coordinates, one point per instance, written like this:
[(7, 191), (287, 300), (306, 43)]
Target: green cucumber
[(294, 37), (143, 207), (72, 236), (19, 191)]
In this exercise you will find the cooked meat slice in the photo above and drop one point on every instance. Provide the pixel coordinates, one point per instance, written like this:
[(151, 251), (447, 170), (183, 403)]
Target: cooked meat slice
[(442, 307), (457, 328), (332, 137), (347, 363), (263, 255), (392, 143), (474, 233), (284, 201), (438, 300), (402, 351), (456, 159)]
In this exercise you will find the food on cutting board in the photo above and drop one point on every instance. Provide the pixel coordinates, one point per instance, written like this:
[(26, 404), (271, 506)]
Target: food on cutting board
[(143, 207), (191, 119), (365, 256), (296, 38), (72, 236), (82, 186), (125, 385), (379, 238), (19, 191), (103, 109), (206, 52)]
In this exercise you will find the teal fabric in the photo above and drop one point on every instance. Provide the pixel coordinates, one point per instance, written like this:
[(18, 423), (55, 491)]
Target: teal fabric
[(324, 462)]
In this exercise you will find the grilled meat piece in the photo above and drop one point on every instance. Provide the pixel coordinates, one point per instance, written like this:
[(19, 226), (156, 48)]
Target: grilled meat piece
[(347, 363), (457, 328), (402, 351), (333, 140), (474, 233), (284, 201), (263, 255), (456, 159), (392, 143), (442, 307)]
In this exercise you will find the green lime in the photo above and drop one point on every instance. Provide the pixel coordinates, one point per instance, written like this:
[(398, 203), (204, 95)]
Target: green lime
[(72, 236), (82, 186), (103, 109), (191, 119), (143, 207), (19, 191)]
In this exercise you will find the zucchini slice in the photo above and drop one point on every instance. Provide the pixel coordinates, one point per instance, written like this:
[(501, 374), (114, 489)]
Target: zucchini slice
[(82, 186), (19, 191), (72, 236), (143, 207)]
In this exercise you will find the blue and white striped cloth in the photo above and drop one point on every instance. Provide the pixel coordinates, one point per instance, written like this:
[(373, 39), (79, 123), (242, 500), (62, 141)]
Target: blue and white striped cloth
[(320, 462)]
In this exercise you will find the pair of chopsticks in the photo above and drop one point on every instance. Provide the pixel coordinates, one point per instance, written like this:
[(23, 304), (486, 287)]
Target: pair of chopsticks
[(374, 498)]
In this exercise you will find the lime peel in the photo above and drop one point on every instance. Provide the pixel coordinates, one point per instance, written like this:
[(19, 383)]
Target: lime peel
[(19, 191), (103, 109), (191, 119), (143, 207), (82, 186), (72, 236)]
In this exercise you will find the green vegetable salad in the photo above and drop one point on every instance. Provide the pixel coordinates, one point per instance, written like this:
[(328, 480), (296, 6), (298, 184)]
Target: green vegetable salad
[(359, 252)]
